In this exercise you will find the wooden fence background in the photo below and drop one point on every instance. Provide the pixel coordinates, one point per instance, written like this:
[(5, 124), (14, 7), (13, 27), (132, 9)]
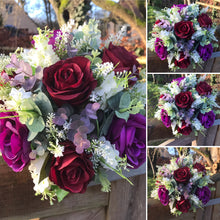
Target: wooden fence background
[(18, 202)]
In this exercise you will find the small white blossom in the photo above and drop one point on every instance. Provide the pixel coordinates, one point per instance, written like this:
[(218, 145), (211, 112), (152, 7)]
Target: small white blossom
[(17, 96)]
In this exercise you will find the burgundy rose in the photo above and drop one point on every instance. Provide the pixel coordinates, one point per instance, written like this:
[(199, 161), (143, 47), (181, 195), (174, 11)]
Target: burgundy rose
[(183, 62), (130, 138), (184, 99), (199, 167), (184, 29), (14, 146), (203, 88), (204, 194), (163, 195), (71, 172), (165, 118), (160, 49), (69, 81), (183, 205), (123, 59), (207, 119), (182, 175), (185, 129), (204, 20)]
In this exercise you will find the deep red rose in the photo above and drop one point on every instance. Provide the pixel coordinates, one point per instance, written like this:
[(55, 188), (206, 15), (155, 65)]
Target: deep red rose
[(199, 167), (184, 99), (184, 29), (71, 172), (183, 62), (182, 175), (157, 21), (185, 130), (203, 88), (183, 205), (123, 59), (69, 81), (204, 20)]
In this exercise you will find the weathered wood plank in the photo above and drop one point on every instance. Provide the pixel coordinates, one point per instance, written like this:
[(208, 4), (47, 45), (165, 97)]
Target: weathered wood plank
[(91, 214), (209, 138), (19, 202), (128, 202), (216, 208)]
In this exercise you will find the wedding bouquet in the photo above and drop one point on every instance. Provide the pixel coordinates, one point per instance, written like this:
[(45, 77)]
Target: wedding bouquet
[(72, 107), (183, 35), (183, 185), (186, 104)]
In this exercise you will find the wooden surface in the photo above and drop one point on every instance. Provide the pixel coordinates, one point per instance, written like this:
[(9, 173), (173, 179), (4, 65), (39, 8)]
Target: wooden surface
[(18, 202)]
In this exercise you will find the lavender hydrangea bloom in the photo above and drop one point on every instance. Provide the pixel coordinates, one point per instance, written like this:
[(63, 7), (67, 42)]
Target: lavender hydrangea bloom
[(205, 52), (160, 49), (204, 194), (163, 195), (207, 119), (14, 146), (129, 138), (165, 118)]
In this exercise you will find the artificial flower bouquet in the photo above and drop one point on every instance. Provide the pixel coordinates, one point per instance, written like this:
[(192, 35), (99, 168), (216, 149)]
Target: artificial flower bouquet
[(183, 185), (72, 108), (184, 35), (186, 104)]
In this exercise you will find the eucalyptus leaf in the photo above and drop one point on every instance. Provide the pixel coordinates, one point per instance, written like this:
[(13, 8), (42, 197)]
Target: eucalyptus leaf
[(123, 115), (125, 100), (37, 125), (32, 135), (43, 103)]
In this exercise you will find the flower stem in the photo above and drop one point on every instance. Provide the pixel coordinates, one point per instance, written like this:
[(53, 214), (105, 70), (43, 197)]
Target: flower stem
[(116, 171), (98, 130), (13, 116)]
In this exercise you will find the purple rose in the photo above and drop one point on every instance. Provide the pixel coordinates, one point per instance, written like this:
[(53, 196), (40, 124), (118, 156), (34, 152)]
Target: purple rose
[(165, 118), (204, 194), (180, 6), (207, 119), (129, 138), (160, 49), (205, 52), (14, 146), (163, 195), (178, 80)]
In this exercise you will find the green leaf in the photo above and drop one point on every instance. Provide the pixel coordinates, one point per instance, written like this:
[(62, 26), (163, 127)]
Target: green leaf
[(107, 123), (123, 115), (37, 125), (125, 100), (43, 173), (61, 194), (43, 103), (114, 101), (32, 135)]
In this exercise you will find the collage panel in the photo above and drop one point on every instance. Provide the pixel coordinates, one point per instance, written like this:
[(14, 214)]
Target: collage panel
[(183, 36), (183, 183)]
